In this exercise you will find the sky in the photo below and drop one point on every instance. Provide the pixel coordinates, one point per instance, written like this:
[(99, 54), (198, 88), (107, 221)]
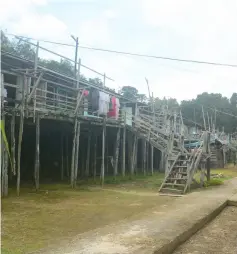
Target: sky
[(187, 29)]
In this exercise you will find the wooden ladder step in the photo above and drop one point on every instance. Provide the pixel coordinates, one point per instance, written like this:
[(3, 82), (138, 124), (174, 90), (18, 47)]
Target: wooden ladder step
[(174, 184), (173, 179), (184, 166), (181, 173), (170, 189)]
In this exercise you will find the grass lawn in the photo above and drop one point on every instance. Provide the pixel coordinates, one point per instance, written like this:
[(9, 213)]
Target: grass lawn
[(36, 220), (229, 172)]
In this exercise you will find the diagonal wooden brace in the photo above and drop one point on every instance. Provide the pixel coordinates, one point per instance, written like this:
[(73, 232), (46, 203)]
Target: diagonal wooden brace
[(35, 87), (79, 97)]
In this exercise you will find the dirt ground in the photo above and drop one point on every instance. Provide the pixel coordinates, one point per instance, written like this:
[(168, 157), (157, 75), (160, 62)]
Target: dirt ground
[(36, 220), (57, 213), (218, 237)]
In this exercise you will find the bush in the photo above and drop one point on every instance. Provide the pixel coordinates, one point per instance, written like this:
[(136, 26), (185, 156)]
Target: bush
[(214, 182)]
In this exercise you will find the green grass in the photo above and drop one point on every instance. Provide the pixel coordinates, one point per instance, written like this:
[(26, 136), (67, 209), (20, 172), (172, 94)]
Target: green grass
[(228, 173), (56, 212)]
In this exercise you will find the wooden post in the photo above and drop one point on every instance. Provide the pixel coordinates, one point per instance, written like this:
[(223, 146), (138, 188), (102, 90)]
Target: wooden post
[(204, 120), (136, 151), (77, 154), (130, 154), (144, 157), (107, 152), (202, 174), (88, 153), (62, 159), (103, 154), (134, 154), (124, 146), (37, 152), (67, 157), (147, 156), (22, 110), (5, 172), (13, 143), (95, 155), (116, 155), (73, 153), (152, 159)]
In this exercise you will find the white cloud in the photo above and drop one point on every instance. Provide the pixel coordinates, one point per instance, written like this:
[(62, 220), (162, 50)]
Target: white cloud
[(22, 17), (94, 31), (40, 26), (209, 27)]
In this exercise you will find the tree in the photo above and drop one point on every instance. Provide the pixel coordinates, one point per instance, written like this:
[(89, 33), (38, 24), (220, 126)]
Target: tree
[(129, 92), (233, 100), (142, 98)]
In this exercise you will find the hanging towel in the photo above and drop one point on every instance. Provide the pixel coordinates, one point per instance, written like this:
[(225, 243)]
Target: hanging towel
[(112, 110), (117, 107), (94, 98), (103, 103)]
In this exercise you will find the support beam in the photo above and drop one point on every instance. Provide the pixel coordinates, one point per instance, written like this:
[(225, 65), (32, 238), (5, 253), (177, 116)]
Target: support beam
[(95, 157), (73, 153), (35, 87), (124, 147), (152, 160), (144, 157), (77, 153), (102, 174), (22, 115), (37, 152), (13, 144), (116, 153), (62, 156), (67, 156), (88, 154), (134, 150)]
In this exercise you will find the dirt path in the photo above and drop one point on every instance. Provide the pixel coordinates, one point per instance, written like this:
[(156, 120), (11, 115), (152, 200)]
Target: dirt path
[(156, 228), (218, 237)]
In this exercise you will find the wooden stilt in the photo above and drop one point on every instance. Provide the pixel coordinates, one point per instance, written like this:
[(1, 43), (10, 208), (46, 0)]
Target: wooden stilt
[(147, 157), (2, 166), (88, 154), (77, 153), (107, 152), (67, 158), (152, 159), (22, 114), (133, 154), (62, 157), (135, 162), (73, 153), (37, 152), (116, 153), (124, 147), (103, 154), (5, 174), (144, 157), (13, 144), (202, 176), (95, 159)]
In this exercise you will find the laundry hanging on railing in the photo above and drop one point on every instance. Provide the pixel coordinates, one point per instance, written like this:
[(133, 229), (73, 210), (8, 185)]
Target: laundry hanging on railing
[(94, 99), (103, 103), (114, 109), (85, 93)]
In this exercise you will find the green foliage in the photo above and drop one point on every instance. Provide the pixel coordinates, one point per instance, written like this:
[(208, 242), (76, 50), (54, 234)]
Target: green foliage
[(192, 110), (129, 92), (214, 182)]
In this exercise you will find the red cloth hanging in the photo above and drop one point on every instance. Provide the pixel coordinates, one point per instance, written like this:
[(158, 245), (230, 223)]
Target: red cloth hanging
[(86, 93), (112, 112)]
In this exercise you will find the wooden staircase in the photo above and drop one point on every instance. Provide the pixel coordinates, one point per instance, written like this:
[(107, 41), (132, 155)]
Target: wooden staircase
[(181, 172)]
